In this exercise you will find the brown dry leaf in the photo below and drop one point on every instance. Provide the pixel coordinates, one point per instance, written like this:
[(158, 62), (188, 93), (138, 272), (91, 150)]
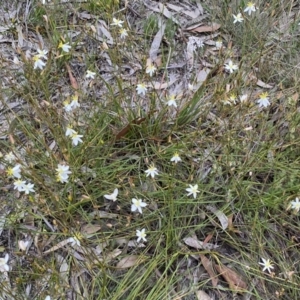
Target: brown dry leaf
[(76, 255), (20, 36), (193, 14), (156, 43), (207, 28), (201, 10), (110, 256), (258, 82), (234, 280), (190, 54), (103, 34), (207, 264), (5, 282), (90, 228), (130, 261), (135, 244), (161, 86), (103, 214), (73, 81), (136, 121), (64, 268), (160, 8), (173, 7), (220, 215), (202, 75), (195, 243), (263, 84), (125, 130), (295, 97), (52, 145), (100, 247), (78, 281), (58, 246), (201, 295), (194, 23)]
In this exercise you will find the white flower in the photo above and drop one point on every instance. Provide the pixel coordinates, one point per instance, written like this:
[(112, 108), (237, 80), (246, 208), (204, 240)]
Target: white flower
[(19, 185), (263, 101), (3, 264), (42, 53), (38, 63), (137, 204), (141, 89), (10, 157), (231, 67), (200, 44), (123, 33), (195, 42), (152, 171), (76, 138), (219, 44), (62, 173), (48, 298), (75, 102), (117, 22), (150, 69), (65, 47), (231, 100), (193, 190), (70, 131), (67, 106), (23, 245), (238, 18), (70, 106), (171, 100), (244, 98), (28, 188), (16, 61), (90, 74), (250, 8), (141, 235), (295, 204), (267, 265), (191, 87), (15, 171), (112, 196), (74, 241), (176, 158)]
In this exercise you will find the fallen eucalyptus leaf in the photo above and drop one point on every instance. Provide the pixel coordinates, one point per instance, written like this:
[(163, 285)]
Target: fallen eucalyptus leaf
[(207, 264), (130, 261), (195, 243), (220, 215), (234, 280), (201, 295)]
